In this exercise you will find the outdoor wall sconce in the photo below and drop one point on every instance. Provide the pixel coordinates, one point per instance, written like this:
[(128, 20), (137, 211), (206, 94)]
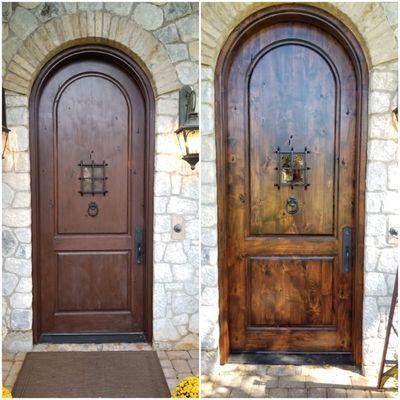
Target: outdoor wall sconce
[(188, 131), (4, 129)]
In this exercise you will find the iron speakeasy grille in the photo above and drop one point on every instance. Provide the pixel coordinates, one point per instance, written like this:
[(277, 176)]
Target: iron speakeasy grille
[(291, 169), (93, 178)]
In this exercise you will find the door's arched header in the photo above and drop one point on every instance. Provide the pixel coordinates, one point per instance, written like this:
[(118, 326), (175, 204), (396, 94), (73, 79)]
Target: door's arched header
[(301, 13), (99, 51), (357, 19), (46, 42)]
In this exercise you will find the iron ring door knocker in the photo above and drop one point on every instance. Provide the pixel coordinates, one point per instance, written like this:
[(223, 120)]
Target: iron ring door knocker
[(93, 209), (292, 205)]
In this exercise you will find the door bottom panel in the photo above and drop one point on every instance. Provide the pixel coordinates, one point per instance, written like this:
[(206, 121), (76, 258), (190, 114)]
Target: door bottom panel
[(293, 358), (92, 338)]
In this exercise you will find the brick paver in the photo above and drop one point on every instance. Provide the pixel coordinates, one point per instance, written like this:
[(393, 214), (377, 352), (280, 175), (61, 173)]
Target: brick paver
[(178, 364), (289, 381), (12, 363)]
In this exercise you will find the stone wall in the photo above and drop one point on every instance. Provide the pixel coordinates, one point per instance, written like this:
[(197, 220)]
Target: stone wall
[(375, 26), (382, 210), (163, 38)]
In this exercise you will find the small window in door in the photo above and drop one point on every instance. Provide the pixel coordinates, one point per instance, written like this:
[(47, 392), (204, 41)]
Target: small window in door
[(292, 168), (93, 178)]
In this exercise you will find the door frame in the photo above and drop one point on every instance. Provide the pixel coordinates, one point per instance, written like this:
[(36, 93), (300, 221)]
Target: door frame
[(144, 84), (327, 22)]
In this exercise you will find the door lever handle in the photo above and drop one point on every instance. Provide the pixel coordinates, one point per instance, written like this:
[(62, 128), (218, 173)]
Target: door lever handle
[(347, 256), (139, 245)]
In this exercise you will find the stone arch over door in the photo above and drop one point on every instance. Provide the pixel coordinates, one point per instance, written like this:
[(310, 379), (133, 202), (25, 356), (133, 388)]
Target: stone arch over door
[(89, 28), (30, 40), (368, 23)]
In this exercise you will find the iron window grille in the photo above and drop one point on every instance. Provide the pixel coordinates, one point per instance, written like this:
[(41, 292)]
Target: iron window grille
[(292, 168), (93, 178)]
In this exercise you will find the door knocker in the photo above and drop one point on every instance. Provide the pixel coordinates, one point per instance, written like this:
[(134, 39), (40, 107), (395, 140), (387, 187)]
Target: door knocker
[(292, 206), (93, 209)]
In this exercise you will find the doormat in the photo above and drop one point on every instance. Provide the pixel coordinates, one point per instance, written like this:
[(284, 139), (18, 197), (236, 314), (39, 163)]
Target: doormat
[(91, 374)]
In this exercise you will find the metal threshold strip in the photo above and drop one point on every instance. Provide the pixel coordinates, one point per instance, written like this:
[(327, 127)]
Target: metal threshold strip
[(92, 338), (294, 358)]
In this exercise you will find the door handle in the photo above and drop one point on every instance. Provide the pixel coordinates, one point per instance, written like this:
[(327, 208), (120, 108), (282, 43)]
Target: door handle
[(139, 245), (347, 249)]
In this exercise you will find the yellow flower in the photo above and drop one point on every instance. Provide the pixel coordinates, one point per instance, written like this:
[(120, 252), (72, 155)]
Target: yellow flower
[(187, 388), (6, 393)]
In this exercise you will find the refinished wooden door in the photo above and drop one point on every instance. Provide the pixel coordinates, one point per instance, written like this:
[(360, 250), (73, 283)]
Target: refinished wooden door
[(289, 113), (91, 156)]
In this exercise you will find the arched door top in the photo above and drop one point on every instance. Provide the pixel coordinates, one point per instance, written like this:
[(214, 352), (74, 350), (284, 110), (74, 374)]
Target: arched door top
[(295, 12), (101, 51)]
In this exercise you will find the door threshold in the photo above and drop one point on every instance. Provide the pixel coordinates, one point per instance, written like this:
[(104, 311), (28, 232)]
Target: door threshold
[(60, 338), (294, 358)]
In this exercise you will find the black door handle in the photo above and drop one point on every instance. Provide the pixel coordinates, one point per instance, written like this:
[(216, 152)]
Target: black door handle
[(347, 252), (139, 248)]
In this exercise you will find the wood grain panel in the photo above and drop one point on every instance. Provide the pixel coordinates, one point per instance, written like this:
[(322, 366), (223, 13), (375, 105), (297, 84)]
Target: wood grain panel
[(92, 242), (91, 127), (290, 292), (293, 340), (93, 281)]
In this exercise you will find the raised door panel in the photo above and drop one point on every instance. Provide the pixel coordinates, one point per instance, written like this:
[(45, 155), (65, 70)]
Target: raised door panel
[(93, 281), (292, 94), (290, 292), (93, 125)]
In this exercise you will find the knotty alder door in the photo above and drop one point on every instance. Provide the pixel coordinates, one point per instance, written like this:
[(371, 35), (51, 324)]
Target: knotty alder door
[(290, 101), (91, 162)]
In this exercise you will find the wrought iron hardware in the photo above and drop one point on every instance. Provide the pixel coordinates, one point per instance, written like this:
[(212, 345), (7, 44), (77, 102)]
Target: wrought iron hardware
[(292, 205), (178, 228), (291, 168), (139, 246), (93, 209), (347, 252), (394, 232), (93, 178)]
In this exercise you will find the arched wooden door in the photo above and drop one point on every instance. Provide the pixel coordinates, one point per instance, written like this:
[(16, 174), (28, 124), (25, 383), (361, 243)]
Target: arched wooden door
[(91, 122), (292, 89)]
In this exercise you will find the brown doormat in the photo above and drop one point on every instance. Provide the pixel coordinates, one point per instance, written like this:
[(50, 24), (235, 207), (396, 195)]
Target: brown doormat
[(91, 374)]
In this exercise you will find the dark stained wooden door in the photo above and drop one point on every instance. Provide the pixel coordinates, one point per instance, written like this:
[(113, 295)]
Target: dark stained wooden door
[(90, 111), (290, 170)]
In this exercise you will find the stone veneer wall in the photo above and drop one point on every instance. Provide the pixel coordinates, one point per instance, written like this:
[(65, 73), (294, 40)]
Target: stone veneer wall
[(163, 38), (375, 26)]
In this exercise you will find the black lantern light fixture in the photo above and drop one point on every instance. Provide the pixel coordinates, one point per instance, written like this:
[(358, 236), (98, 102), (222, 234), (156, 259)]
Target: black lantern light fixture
[(188, 131), (5, 130)]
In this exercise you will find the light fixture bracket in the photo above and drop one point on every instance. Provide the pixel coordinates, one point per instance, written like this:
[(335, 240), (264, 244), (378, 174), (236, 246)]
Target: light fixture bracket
[(4, 128), (188, 124), (188, 117)]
